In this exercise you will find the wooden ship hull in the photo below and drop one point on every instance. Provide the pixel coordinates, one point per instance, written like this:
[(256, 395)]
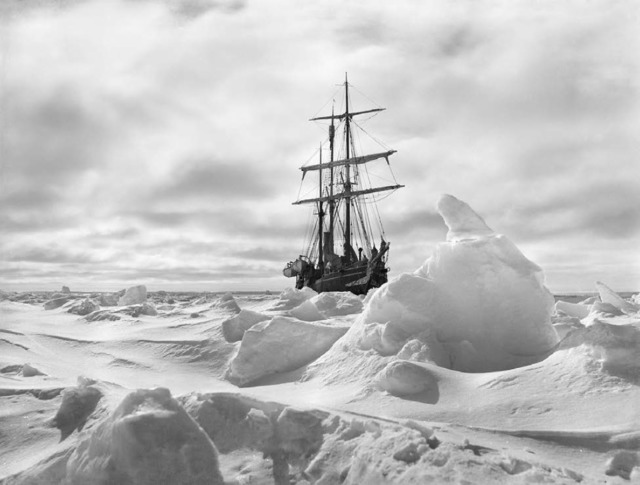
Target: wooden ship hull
[(357, 278)]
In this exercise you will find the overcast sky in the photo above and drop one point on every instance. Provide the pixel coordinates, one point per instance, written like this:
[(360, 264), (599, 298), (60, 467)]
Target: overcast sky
[(158, 142)]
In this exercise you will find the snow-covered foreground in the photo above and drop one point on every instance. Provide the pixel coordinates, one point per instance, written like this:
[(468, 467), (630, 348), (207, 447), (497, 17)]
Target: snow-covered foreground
[(465, 371)]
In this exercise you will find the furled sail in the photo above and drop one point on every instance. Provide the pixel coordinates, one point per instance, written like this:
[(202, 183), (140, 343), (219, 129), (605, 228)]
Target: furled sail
[(344, 115), (350, 194), (351, 161)]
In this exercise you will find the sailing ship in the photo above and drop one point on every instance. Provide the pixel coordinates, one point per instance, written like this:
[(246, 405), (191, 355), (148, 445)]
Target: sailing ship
[(340, 253)]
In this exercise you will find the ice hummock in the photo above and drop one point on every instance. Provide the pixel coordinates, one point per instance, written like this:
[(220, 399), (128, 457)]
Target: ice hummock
[(233, 328), (477, 304), (463, 222), (291, 298), (134, 295), (279, 345), (148, 439), (607, 295), (77, 405), (590, 311)]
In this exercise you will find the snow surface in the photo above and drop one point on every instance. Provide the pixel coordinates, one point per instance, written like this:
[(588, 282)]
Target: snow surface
[(463, 372)]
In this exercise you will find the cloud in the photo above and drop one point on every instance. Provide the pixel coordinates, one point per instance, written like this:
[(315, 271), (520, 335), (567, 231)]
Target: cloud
[(175, 129), (417, 223), (240, 223), (210, 179), (52, 139), (263, 253), (28, 197), (50, 255), (191, 9)]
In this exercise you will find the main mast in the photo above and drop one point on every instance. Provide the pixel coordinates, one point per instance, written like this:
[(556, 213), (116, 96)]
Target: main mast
[(320, 215), (332, 202), (347, 182)]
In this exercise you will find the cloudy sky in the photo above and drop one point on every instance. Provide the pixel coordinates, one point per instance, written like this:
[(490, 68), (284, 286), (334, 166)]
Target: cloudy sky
[(158, 142)]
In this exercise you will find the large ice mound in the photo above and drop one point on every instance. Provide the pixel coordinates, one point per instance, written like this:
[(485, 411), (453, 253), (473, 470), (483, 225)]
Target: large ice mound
[(134, 295), (607, 295), (476, 305), (148, 439), (77, 405), (279, 345), (337, 303), (292, 297)]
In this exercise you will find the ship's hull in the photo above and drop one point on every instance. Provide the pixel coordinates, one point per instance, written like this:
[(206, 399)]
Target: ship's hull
[(357, 279)]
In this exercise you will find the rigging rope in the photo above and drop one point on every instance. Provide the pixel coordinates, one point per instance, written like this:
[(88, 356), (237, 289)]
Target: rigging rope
[(312, 238), (381, 143), (362, 229), (308, 233), (365, 96), (331, 98)]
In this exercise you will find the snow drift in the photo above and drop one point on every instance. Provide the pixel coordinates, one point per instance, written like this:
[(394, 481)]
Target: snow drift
[(613, 349)]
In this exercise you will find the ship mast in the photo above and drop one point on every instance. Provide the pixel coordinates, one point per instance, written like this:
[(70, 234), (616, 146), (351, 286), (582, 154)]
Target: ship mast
[(347, 181), (320, 215), (332, 202)]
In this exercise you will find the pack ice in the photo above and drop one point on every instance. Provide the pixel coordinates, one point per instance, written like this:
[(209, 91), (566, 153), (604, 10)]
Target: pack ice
[(476, 305)]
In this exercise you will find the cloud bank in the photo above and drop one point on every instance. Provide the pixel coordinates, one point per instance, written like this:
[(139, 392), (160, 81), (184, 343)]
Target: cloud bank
[(159, 141)]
